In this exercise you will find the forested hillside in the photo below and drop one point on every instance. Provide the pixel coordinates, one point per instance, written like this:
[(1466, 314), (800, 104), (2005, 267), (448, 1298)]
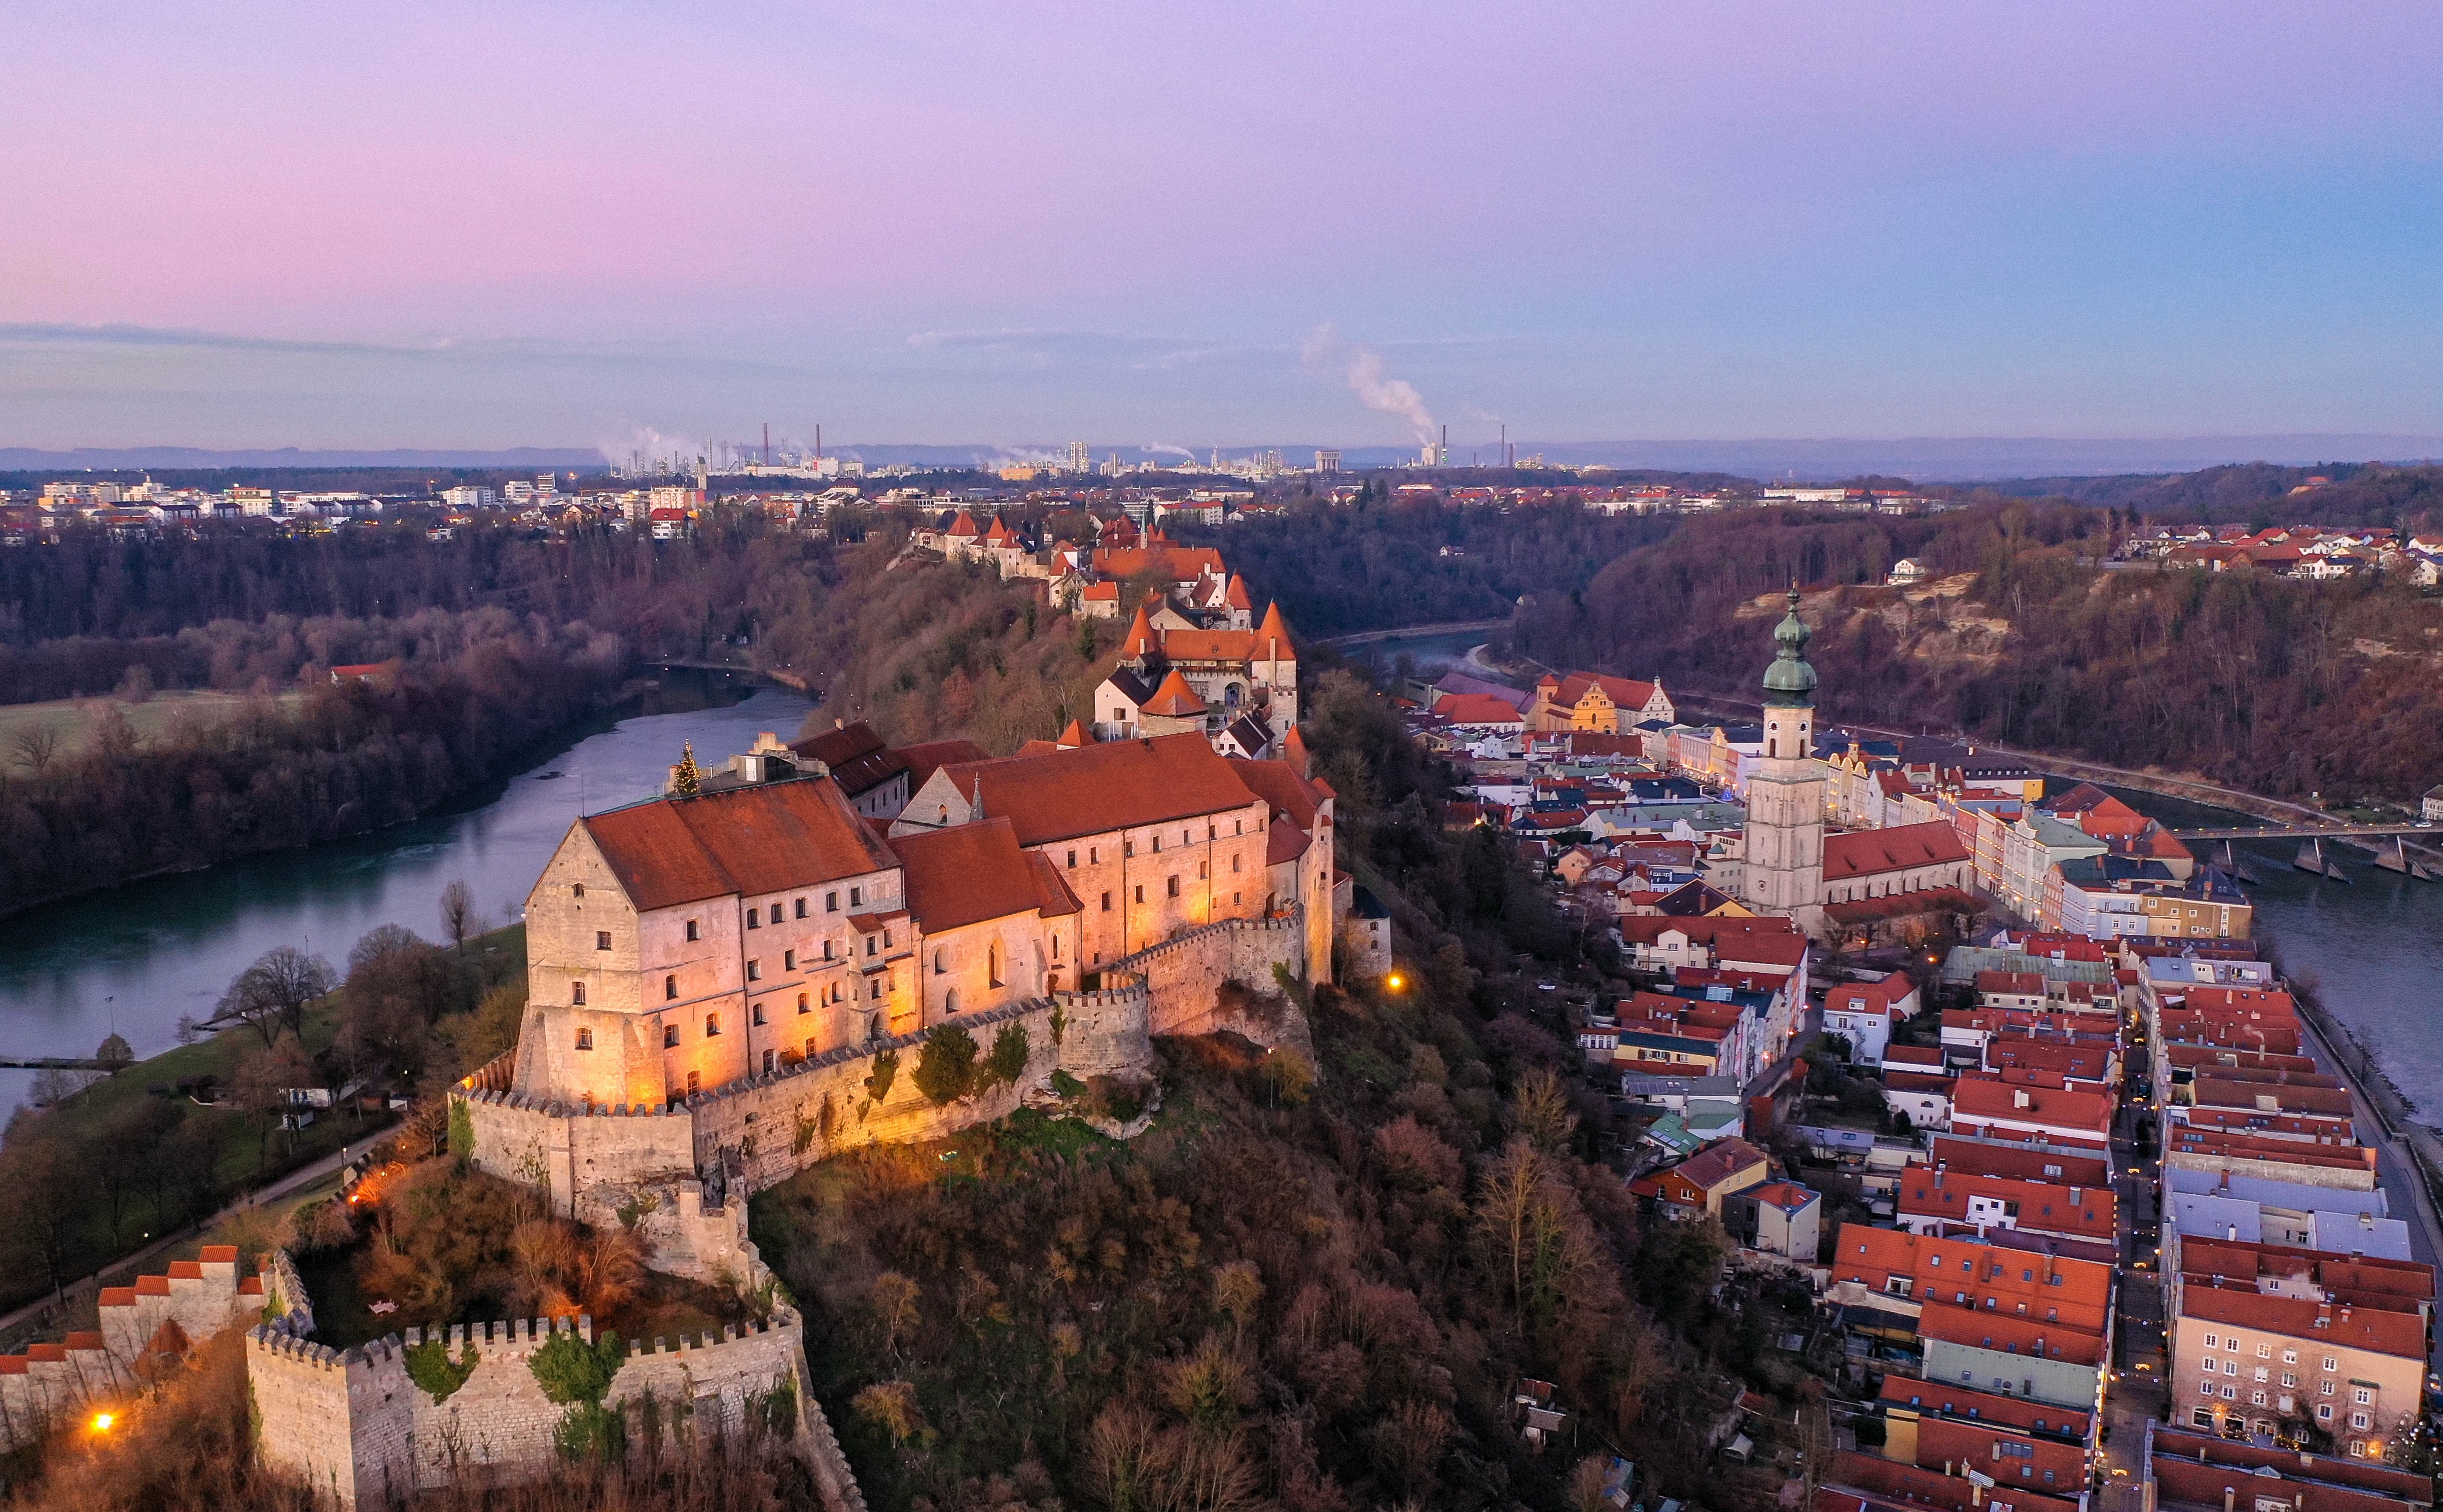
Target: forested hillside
[(1308, 1288), (2258, 494), (2263, 682), (1387, 563)]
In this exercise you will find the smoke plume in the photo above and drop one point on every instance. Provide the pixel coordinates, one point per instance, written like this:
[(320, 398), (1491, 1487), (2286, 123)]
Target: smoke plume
[(1363, 371)]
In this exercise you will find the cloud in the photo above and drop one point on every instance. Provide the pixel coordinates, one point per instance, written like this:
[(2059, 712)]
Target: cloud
[(1363, 370)]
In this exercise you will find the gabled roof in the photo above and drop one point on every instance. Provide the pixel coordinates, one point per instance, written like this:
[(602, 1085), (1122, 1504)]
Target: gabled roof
[(1113, 785), (1871, 852), (1716, 1164), (769, 837), (971, 872), (929, 756), (859, 760)]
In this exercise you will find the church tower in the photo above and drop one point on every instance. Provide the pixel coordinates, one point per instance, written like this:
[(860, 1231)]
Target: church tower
[(1784, 859)]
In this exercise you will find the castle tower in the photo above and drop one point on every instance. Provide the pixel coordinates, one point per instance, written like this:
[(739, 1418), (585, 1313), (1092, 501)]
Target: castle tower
[(1784, 862)]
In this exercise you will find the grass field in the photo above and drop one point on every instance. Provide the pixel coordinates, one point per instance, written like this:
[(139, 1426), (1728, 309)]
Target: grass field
[(244, 1156), (71, 722)]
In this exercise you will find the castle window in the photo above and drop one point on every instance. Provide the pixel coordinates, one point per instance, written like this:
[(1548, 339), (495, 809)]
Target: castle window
[(577, 891), (1238, 826), (950, 1001), (1171, 886), (692, 933), (585, 1039), (1107, 902), (1072, 860), (885, 940), (603, 940), (827, 950), (1235, 860), (876, 994), (992, 965), (801, 908), (788, 961), (1093, 855), (1184, 838), (755, 970), (1203, 869), (752, 920), (1127, 849), (872, 945), (759, 1015), (831, 903), (1234, 898), (576, 995), (1211, 830), (1157, 845), (695, 1083), (711, 1025), (1055, 947), (768, 1071), (1141, 892), (811, 1052), (856, 896), (941, 961), (803, 1007), (670, 987), (670, 1036)]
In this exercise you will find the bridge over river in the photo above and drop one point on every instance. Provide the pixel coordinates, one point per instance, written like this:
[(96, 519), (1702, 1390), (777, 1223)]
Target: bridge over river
[(2310, 832)]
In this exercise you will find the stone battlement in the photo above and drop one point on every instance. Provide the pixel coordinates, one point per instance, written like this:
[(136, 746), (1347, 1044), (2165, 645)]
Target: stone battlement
[(355, 1426)]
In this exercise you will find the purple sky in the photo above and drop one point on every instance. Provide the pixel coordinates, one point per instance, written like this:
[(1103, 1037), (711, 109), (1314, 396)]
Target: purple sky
[(487, 225)]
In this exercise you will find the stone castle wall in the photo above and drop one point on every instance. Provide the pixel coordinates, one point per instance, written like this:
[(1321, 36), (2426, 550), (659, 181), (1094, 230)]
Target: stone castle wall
[(356, 1427), (165, 1314), (760, 1130), (1185, 975)]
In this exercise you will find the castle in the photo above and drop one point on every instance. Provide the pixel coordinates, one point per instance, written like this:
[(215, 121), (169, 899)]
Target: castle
[(714, 982)]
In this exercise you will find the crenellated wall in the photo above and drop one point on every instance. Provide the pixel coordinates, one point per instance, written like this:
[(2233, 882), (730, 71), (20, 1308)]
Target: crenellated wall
[(602, 1164), (354, 1426), (1182, 975)]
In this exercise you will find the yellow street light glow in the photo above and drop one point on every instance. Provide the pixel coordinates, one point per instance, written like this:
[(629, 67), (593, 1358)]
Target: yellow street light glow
[(102, 1421), (1395, 982)]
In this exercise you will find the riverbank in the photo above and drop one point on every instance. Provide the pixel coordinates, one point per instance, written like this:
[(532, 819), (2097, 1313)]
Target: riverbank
[(147, 1116), (136, 958)]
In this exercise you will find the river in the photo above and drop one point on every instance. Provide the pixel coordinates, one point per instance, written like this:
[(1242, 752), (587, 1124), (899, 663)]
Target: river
[(2373, 948), (139, 957)]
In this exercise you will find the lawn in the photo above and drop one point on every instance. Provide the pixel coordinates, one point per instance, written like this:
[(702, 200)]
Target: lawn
[(245, 1157), (71, 722)]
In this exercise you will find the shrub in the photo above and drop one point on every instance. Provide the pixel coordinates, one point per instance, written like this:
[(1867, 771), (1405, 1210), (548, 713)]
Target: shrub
[(886, 1070), (574, 1373), (1007, 1062), (946, 1071), (435, 1373), (462, 1129)]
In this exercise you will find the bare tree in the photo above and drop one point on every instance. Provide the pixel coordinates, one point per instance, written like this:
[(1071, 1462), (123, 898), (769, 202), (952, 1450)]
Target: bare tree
[(458, 913), (272, 994), (35, 747)]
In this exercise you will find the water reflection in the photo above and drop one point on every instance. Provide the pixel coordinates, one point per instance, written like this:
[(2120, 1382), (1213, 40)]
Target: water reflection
[(136, 958)]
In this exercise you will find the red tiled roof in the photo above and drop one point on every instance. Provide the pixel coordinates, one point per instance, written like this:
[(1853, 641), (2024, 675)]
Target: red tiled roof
[(929, 756), (1476, 708), (1115, 785), (2377, 1330), (1175, 700), (1871, 852), (765, 838), (859, 761), (971, 872), (1625, 692)]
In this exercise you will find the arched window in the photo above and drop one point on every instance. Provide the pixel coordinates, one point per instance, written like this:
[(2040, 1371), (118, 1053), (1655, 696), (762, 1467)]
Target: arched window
[(577, 891), (950, 1001), (941, 960), (711, 1025), (802, 1005), (759, 1013), (992, 964), (670, 987)]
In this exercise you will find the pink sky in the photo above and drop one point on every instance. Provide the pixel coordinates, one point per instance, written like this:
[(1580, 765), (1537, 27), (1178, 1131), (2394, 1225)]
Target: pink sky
[(450, 224)]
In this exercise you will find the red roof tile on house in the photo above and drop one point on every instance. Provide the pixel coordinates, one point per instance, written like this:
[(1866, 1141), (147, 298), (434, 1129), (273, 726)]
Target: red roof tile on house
[(971, 872), (765, 838), (1115, 784), (1872, 852)]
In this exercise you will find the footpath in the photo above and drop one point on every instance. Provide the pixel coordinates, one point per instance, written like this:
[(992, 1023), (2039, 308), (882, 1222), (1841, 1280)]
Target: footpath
[(50, 1312)]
